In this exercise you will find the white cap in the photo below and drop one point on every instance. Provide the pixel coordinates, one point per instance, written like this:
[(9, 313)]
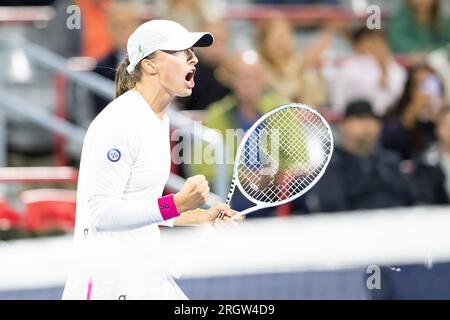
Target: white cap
[(162, 35)]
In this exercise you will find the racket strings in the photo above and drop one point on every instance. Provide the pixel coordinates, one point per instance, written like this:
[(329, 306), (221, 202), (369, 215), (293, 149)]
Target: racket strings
[(290, 175), (312, 133), (284, 155)]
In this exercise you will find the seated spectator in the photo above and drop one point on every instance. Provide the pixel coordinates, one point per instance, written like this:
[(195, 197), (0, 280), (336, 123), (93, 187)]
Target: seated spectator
[(209, 86), (418, 26), (295, 77), (60, 39), (297, 1), (361, 175), (93, 39), (432, 170), (189, 13), (371, 74), (247, 101), (409, 127), (439, 60), (96, 39), (122, 21), (26, 2)]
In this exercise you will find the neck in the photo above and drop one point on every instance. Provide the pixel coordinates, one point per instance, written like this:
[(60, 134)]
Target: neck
[(280, 64), (423, 17), (360, 50), (156, 97), (355, 149)]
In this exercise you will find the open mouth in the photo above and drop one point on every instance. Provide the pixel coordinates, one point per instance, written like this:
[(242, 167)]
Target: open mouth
[(190, 75), (190, 79)]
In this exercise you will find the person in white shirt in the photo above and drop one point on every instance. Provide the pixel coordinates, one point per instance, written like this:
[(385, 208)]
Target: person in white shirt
[(370, 74), (125, 163)]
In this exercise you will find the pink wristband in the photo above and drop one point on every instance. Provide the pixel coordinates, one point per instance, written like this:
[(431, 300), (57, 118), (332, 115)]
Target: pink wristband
[(167, 207)]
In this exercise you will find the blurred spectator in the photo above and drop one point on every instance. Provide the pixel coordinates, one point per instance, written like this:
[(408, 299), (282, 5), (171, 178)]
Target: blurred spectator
[(439, 60), (408, 127), (443, 134), (248, 100), (419, 26), (209, 87), (296, 77), (60, 39), (26, 2), (122, 21), (297, 1), (361, 175), (189, 13), (371, 74), (96, 37), (433, 166), (92, 40)]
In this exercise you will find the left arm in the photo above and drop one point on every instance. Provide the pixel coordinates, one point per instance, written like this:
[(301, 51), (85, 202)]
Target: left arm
[(191, 218), (199, 216)]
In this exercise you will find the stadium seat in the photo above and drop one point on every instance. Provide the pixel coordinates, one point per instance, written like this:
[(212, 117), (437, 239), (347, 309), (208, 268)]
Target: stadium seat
[(9, 218), (49, 209)]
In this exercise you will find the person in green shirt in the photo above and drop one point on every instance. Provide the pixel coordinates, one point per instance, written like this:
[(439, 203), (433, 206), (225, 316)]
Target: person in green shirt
[(247, 102), (419, 26)]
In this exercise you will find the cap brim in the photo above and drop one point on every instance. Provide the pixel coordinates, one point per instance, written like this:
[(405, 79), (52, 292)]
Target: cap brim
[(205, 39), (193, 39)]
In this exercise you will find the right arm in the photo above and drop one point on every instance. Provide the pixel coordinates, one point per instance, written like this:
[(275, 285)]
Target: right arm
[(109, 158), (108, 174)]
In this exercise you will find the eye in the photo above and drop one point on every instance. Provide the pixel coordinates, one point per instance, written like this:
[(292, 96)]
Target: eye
[(190, 53), (169, 51)]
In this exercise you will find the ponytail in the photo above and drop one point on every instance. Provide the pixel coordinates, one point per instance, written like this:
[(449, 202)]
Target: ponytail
[(124, 80)]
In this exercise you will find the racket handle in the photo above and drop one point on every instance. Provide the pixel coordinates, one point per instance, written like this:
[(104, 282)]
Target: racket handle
[(221, 214), (230, 194), (237, 215)]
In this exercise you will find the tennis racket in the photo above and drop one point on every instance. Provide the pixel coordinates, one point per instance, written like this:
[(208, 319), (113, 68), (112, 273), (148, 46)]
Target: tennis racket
[(281, 157)]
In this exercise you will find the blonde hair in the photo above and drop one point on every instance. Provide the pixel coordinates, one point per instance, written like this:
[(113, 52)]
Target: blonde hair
[(126, 81), (265, 28)]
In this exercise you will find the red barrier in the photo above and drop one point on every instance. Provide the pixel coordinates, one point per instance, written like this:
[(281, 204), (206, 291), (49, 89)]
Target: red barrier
[(9, 218), (49, 209)]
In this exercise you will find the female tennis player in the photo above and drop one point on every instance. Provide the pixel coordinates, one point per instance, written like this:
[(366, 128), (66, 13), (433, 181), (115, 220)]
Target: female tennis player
[(124, 166)]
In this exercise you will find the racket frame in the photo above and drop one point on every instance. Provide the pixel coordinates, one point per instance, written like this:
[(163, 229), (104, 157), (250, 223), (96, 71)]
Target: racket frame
[(235, 179)]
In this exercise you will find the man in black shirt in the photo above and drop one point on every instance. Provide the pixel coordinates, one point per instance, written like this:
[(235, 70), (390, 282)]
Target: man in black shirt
[(361, 175)]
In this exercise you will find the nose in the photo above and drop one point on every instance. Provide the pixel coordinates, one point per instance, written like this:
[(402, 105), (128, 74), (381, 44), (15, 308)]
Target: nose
[(192, 57)]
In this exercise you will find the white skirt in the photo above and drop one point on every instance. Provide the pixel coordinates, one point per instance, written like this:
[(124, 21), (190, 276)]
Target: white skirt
[(122, 286), (111, 271)]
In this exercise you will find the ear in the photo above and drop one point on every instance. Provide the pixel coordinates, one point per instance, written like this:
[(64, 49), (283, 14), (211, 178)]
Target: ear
[(149, 67)]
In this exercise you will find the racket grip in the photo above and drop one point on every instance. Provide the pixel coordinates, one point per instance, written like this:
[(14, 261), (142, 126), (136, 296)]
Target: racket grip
[(221, 214), (237, 215)]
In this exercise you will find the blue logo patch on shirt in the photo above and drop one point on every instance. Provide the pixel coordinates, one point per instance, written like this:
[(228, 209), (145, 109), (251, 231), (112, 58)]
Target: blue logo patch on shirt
[(114, 155)]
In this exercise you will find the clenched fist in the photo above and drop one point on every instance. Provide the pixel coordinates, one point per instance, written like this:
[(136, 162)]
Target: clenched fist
[(193, 194)]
